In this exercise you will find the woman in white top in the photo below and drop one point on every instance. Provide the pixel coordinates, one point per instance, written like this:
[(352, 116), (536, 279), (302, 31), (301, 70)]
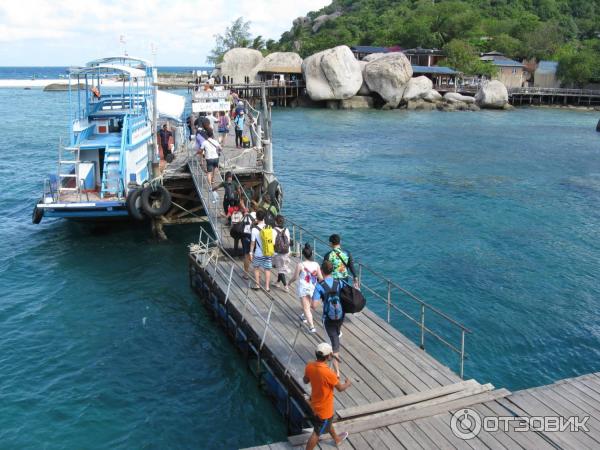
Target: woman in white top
[(308, 273), (210, 148)]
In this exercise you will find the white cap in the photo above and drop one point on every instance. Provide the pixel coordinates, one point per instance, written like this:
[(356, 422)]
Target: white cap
[(324, 349)]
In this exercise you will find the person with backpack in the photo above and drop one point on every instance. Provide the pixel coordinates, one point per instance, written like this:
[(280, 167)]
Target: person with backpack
[(239, 128), (223, 126), (231, 196), (328, 292), (281, 259), (308, 273), (262, 248), (247, 223), (343, 264)]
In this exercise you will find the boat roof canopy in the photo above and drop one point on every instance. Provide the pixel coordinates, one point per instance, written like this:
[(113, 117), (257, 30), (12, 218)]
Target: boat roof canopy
[(109, 69), (132, 61)]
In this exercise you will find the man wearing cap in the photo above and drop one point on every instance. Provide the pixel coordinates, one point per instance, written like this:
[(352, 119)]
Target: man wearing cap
[(322, 381)]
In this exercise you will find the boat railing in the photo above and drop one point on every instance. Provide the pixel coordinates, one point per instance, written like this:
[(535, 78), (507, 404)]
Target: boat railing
[(125, 139), (207, 254), (389, 294)]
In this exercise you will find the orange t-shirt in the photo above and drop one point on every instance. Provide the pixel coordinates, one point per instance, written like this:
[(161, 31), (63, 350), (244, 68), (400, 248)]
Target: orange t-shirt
[(322, 381)]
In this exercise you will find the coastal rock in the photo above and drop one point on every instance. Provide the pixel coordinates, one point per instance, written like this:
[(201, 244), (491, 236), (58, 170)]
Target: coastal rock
[(301, 21), (374, 56), (239, 62), (285, 62), (324, 18), (420, 105), (453, 97), (492, 94), (417, 88), (332, 74), (364, 89), (388, 76), (357, 102), (433, 96)]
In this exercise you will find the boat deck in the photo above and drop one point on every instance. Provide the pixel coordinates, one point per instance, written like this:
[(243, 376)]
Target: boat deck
[(101, 141)]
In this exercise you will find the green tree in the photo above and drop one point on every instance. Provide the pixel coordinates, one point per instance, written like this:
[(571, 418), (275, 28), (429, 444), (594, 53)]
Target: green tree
[(578, 63), (236, 35), (463, 57), (258, 43)]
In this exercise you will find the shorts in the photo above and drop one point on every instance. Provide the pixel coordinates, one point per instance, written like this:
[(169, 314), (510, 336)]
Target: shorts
[(212, 164), (246, 245), (333, 328), (262, 262), (321, 426)]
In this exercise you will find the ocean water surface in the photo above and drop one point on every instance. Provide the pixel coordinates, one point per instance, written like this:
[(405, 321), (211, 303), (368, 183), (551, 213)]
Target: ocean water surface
[(493, 217)]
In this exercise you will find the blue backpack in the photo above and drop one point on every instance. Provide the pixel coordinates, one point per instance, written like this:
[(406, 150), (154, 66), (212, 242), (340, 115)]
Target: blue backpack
[(332, 304)]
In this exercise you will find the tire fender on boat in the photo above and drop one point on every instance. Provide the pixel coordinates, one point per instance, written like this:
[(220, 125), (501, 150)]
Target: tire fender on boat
[(133, 206), (37, 215), (151, 194), (598, 127), (275, 193)]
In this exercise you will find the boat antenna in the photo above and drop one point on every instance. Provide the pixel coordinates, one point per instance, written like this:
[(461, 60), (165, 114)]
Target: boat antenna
[(123, 42)]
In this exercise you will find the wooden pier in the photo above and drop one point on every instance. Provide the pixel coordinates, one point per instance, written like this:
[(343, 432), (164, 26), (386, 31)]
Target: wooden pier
[(401, 397)]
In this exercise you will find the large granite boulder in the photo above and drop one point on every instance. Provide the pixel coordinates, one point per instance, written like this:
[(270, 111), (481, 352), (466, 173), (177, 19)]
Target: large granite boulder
[(332, 74), (492, 94), (388, 75), (417, 88), (454, 97), (433, 96), (284, 62), (238, 63)]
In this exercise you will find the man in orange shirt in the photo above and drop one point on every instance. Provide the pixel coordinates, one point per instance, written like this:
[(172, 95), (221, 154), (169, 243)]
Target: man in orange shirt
[(322, 381)]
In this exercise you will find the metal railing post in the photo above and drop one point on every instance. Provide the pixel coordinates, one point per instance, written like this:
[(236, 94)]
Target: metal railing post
[(262, 341), (422, 327), (229, 285), (389, 302), (462, 354), (287, 364), (359, 274)]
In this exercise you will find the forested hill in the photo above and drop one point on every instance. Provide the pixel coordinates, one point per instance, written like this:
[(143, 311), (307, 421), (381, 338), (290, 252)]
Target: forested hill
[(541, 29)]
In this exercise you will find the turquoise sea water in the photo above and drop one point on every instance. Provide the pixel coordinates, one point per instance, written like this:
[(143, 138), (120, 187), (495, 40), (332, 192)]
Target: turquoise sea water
[(491, 216)]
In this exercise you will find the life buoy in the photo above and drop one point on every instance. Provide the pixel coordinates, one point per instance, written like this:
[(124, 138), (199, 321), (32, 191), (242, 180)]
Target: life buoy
[(133, 204), (153, 194), (96, 92), (37, 215)]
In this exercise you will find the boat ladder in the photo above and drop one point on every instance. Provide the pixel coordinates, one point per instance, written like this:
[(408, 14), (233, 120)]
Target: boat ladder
[(111, 174), (68, 169)]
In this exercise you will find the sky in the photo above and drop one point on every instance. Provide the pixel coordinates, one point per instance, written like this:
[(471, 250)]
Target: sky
[(67, 32)]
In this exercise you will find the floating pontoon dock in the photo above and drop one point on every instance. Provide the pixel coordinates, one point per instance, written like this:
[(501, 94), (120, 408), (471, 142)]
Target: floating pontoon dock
[(401, 396)]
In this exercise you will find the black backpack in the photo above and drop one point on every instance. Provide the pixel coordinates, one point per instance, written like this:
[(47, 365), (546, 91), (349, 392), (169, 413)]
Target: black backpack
[(353, 301), (282, 243), (231, 194)]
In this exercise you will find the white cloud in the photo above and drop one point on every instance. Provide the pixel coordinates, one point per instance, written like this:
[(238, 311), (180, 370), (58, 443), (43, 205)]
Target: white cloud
[(67, 32)]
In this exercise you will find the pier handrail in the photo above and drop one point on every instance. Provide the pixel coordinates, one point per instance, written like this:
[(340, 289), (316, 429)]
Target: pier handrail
[(553, 91), (206, 244), (298, 235)]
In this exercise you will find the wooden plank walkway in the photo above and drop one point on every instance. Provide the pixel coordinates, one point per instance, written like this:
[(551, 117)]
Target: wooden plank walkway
[(575, 397)]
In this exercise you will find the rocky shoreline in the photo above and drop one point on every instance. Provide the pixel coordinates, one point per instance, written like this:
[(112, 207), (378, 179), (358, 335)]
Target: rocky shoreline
[(336, 79)]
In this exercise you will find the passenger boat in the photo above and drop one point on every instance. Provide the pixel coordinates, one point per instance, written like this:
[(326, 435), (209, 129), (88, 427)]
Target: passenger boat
[(111, 144)]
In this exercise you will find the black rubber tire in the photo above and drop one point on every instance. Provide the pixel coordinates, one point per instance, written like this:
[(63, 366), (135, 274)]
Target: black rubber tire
[(598, 127), (275, 194), (37, 215), (135, 212), (152, 193)]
